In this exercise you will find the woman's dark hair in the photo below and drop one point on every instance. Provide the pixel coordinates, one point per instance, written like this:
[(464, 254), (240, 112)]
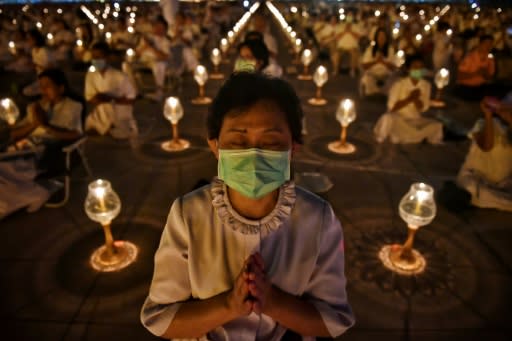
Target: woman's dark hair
[(243, 90), (376, 48), (258, 49), (37, 37), (409, 59)]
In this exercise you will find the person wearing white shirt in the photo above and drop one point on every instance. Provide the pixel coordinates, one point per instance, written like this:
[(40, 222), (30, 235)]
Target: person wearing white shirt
[(42, 58), (408, 99), (264, 257), (253, 55), (111, 94), (348, 34), (378, 64), (154, 51), (487, 170), (260, 25)]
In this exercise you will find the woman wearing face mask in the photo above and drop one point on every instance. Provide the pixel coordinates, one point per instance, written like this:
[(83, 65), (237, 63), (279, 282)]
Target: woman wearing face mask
[(378, 65), (253, 55), (264, 256), (408, 98), (110, 95)]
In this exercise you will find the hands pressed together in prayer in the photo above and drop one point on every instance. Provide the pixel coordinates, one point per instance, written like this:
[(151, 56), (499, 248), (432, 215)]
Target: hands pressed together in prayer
[(252, 289)]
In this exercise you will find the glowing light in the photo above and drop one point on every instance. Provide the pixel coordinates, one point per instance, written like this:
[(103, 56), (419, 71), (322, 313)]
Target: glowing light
[(377, 13), (293, 9)]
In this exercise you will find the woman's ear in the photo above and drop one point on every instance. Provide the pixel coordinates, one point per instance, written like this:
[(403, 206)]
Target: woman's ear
[(214, 147)]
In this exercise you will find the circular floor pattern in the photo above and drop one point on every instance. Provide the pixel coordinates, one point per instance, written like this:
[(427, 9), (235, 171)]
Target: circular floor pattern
[(152, 150), (452, 282), (364, 153)]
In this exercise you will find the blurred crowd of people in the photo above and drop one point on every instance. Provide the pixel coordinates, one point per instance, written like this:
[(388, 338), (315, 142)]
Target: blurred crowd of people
[(389, 49)]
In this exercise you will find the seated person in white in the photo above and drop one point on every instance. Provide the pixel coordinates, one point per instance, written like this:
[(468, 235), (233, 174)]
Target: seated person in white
[(51, 122), (63, 40), (378, 65), (42, 58), (55, 117), (264, 257), (154, 51), (254, 56), (487, 171), (408, 98), (348, 34), (110, 94)]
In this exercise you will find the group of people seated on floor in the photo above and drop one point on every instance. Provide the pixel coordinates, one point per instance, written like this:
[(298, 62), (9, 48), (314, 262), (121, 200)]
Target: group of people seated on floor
[(111, 92)]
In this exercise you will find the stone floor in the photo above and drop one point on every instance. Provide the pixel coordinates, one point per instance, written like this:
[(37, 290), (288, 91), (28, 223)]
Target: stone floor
[(48, 291)]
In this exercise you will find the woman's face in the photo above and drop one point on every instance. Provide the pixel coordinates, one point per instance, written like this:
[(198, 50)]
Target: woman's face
[(50, 91), (262, 126)]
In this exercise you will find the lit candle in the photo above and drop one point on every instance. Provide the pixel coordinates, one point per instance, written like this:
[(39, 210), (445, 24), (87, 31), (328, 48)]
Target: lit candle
[(108, 37), (130, 54), (12, 47), (224, 45)]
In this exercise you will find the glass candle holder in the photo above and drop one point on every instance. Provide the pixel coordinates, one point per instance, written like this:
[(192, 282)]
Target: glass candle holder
[(345, 114), (216, 59), (320, 77), (9, 111), (306, 59), (173, 112), (201, 76)]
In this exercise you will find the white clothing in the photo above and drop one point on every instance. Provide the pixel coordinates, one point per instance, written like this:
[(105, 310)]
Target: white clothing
[(117, 84), (169, 10), (200, 256), (273, 69), (157, 65), (65, 114), (407, 125), (42, 58), (377, 73), (487, 176), (348, 41)]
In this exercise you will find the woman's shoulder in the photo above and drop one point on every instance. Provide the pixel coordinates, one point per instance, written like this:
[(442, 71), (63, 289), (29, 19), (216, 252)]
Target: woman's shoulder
[(308, 200)]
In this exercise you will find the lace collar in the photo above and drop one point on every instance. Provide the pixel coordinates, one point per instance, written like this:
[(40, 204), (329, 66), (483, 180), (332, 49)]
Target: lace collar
[(271, 222)]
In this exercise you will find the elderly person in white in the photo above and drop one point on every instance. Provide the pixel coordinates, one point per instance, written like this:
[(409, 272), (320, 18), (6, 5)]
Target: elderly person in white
[(487, 171), (378, 65), (263, 257), (408, 98), (111, 93)]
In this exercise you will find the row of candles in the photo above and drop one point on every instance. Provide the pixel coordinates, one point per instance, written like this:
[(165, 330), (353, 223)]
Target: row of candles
[(417, 208)]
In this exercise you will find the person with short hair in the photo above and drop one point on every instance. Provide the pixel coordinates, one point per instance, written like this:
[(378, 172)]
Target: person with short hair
[(408, 98), (253, 55), (111, 94), (265, 258)]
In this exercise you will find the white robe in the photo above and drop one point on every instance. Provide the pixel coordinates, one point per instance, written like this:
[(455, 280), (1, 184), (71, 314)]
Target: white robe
[(377, 72), (407, 125), (105, 116), (200, 256), (487, 176)]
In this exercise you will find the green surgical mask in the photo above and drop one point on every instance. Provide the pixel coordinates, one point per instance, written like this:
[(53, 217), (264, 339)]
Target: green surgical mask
[(417, 74), (245, 65), (254, 172)]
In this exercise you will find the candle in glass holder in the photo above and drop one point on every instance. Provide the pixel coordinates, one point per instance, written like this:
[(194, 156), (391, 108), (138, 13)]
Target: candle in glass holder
[(441, 80), (102, 205), (345, 114), (12, 47), (216, 59), (9, 111), (201, 76), (320, 77), (173, 111), (306, 59)]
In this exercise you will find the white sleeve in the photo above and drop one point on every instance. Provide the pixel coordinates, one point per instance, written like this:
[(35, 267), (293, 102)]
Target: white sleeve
[(171, 281), (90, 90), (367, 56), (425, 95), (326, 288), (394, 94), (128, 89)]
